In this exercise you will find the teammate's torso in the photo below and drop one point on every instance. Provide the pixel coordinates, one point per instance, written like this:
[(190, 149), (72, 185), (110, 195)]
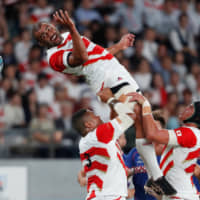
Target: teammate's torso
[(101, 70), (178, 163), (104, 167)]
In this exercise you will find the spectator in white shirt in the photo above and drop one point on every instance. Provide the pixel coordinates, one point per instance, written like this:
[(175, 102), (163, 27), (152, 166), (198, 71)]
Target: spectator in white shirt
[(45, 93), (143, 76), (22, 47), (150, 46), (14, 114), (42, 11), (179, 66), (86, 14), (130, 16)]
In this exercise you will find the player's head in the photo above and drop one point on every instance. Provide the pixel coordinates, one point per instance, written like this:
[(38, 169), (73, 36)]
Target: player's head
[(47, 34), (122, 140), (191, 114), (85, 121), (160, 120)]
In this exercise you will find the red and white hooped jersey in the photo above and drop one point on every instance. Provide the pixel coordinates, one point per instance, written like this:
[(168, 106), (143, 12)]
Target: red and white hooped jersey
[(101, 70), (102, 161), (178, 161)]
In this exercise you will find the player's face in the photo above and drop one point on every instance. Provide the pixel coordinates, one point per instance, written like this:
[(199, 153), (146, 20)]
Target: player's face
[(94, 119), (48, 35), (188, 112)]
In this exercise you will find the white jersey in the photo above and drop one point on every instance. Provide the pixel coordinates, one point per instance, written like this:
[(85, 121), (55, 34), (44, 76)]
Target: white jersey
[(102, 162), (101, 70), (178, 162)]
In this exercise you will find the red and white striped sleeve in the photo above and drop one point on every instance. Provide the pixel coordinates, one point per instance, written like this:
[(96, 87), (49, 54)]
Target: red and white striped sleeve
[(58, 60), (183, 136), (109, 131)]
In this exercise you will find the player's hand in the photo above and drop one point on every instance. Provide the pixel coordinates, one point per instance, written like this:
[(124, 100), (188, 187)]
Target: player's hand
[(63, 18), (105, 94), (127, 41), (136, 97)]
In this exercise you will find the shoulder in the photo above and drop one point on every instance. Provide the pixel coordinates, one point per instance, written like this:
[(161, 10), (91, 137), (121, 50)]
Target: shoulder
[(187, 136)]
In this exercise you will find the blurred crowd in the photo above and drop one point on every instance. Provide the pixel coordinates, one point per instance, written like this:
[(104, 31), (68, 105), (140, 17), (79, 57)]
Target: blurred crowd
[(36, 103)]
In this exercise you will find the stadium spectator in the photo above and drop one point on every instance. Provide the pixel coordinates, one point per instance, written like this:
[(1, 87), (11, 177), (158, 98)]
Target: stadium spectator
[(86, 14), (179, 66), (64, 123), (175, 85), (129, 15), (143, 75), (8, 53), (195, 17), (22, 47), (41, 11), (13, 111), (182, 39), (156, 64), (152, 11), (43, 132), (167, 19), (170, 107), (43, 90), (4, 33), (190, 78), (150, 45), (137, 54), (167, 69), (187, 96), (158, 91), (30, 105)]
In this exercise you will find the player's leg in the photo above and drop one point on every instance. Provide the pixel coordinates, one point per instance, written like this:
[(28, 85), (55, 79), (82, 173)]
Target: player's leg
[(144, 148)]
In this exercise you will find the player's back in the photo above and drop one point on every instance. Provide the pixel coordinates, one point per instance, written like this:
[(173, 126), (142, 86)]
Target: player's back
[(101, 70), (178, 163), (103, 164)]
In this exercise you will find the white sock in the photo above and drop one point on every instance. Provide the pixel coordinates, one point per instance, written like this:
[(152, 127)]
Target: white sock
[(148, 155)]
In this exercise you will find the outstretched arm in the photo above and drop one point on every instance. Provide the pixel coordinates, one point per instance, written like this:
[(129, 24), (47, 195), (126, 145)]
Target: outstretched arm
[(152, 132), (79, 54), (125, 42)]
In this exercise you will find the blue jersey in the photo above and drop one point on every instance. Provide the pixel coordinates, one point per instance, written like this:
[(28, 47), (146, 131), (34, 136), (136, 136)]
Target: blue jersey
[(195, 180), (133, 160)]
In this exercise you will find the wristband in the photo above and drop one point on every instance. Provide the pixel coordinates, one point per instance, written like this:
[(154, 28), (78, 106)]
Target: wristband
[(110, 100), (146, 108)]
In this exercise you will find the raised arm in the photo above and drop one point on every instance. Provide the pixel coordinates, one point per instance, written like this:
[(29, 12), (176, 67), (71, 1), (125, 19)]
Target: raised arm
[(152, 132), (126, 41), (79, 54)]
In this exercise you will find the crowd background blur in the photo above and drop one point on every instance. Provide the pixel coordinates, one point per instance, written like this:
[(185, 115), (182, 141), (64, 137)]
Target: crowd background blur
[(36, 103)]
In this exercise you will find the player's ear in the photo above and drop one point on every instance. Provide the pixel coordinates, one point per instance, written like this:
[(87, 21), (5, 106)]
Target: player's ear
[(88, 124)]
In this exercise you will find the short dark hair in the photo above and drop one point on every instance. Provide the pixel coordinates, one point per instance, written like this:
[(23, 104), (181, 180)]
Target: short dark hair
[(78, 122), (158, 116), (36, 28)]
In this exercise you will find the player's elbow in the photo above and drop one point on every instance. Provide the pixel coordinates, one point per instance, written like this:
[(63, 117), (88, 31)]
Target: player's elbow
[(84, 57)]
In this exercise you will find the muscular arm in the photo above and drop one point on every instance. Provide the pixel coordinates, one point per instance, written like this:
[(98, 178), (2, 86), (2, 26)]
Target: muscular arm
[(151, 130), (79, 54), (125, 42)]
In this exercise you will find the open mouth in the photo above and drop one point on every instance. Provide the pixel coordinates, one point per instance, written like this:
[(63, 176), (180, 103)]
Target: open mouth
[(54, 37)]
